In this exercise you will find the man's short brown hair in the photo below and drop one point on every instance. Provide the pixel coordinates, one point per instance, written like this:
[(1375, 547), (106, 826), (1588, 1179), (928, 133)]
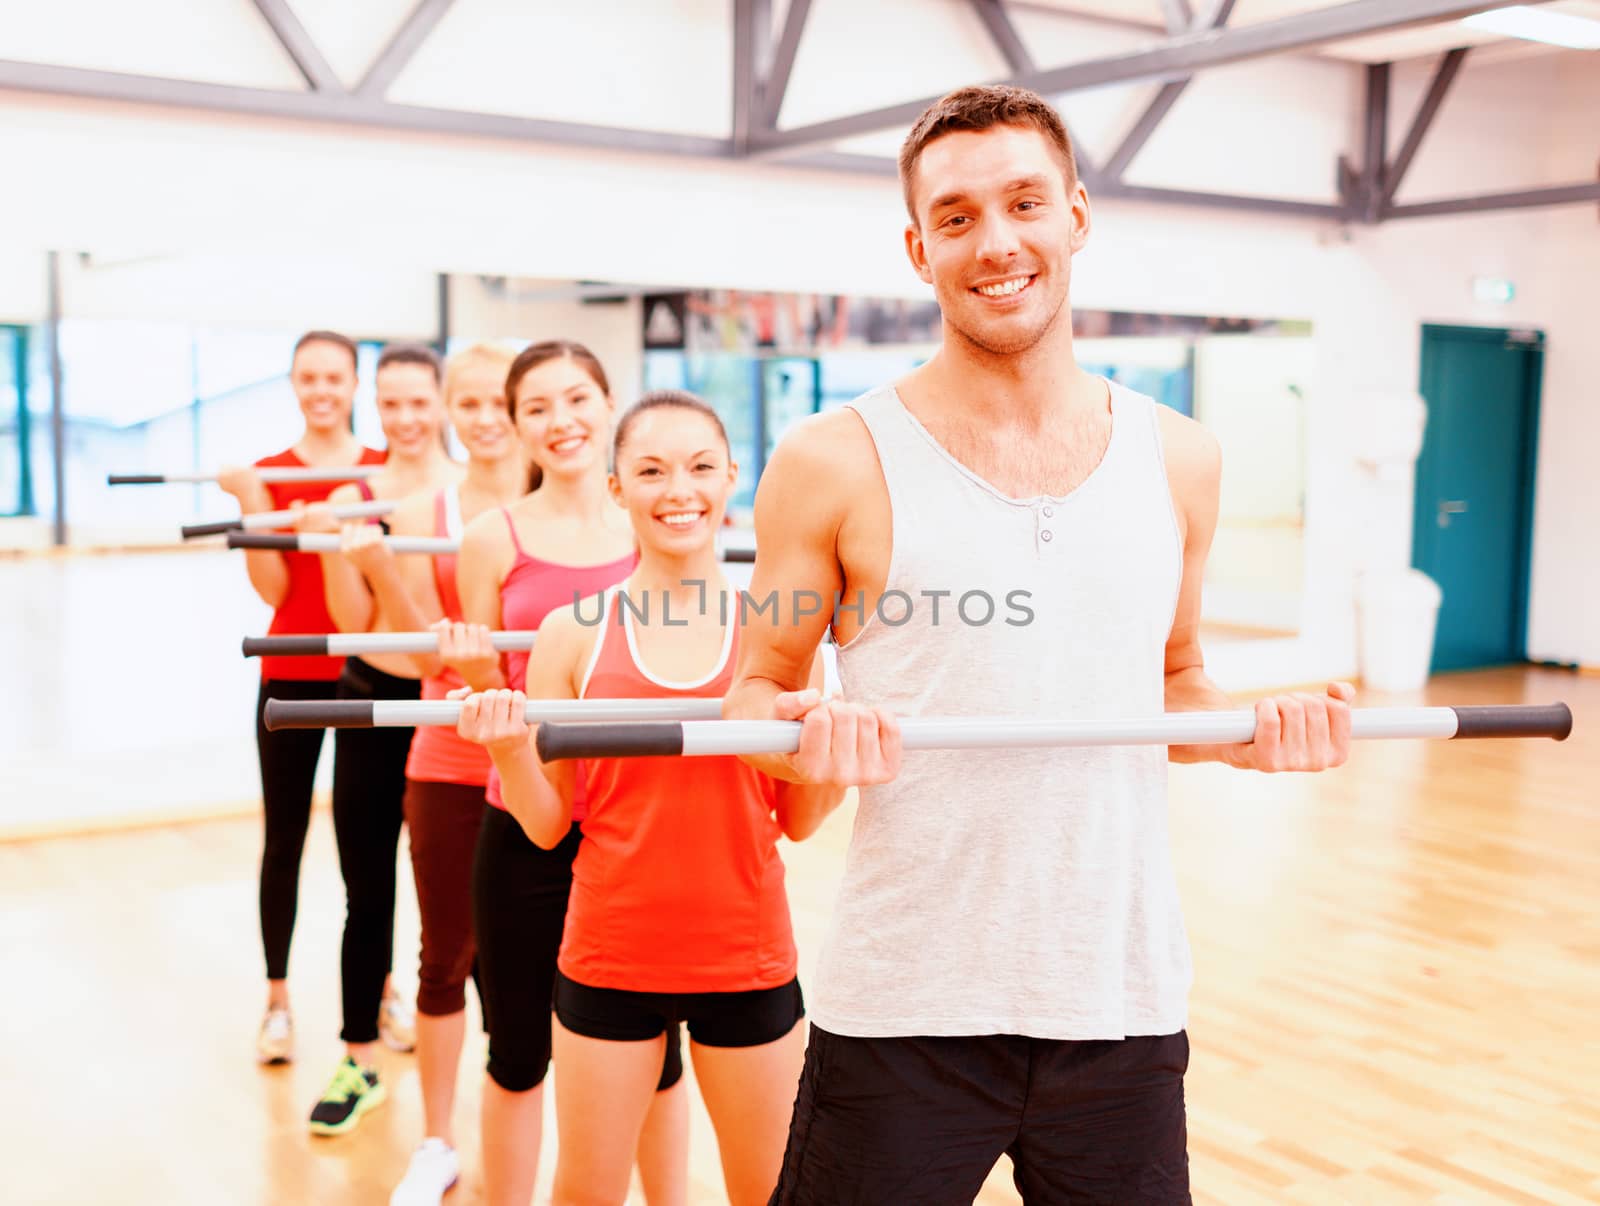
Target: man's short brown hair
[(982, 107)]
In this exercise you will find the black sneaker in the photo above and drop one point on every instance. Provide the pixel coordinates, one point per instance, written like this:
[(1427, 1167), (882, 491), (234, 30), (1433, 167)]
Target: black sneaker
[(353, 1091)]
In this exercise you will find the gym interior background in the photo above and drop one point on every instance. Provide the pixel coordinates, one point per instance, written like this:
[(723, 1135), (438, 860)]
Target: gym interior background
[(1359, 242)]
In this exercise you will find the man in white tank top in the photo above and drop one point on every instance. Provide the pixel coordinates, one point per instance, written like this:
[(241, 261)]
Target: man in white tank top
[(1007, 969)]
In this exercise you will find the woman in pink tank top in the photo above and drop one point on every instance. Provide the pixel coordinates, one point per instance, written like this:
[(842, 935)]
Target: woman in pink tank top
[(565, 540), (445, 776)]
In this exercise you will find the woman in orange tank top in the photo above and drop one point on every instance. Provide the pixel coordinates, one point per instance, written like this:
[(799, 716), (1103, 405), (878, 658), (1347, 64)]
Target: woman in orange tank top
[(678, 911), (518, 564)]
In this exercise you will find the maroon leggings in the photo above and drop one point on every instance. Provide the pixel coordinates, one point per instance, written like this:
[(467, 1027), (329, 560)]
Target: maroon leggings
[(443, 819)]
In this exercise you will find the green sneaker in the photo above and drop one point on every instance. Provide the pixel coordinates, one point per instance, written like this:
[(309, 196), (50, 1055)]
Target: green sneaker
[(353, 1091)]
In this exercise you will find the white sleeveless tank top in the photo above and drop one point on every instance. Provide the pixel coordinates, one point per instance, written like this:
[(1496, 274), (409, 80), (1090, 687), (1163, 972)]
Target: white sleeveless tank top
[(1028, 891)]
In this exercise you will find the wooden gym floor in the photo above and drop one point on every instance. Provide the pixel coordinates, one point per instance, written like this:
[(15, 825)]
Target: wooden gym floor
[(1397, 968)]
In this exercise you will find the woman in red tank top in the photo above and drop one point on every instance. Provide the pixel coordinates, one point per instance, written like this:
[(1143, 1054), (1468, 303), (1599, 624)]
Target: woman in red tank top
[(369, 764), (678, 911), (322, 373), (564, 540)]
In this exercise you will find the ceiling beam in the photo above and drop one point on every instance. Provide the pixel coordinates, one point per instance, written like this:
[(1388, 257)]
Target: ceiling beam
[(1256, 205), (776, 85), (1133, 141), (1156, 111), (1443, 77), (1375, 154), (752, 32), (1175, 58), (297, 44), (872, 165), (1003, 32), (407, 40), (1564, 194), (1009, 42), (350, 109), (1179, 15), (344, 108)]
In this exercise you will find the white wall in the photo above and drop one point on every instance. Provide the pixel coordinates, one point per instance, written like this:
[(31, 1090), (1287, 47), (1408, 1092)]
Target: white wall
[(520, 311), (378, 296), (568, 62), (479, 205), (237, 286)]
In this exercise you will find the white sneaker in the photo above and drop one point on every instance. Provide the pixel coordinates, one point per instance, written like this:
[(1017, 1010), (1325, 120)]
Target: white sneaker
[(434, 1169), (275, 1040), (397, 1024)]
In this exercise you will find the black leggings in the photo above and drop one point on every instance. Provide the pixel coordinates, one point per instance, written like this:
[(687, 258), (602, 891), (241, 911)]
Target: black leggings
[(369, 787), (288, 761), (519, 909)]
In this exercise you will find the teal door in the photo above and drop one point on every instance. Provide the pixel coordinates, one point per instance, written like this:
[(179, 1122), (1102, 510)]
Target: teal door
[(1472, 528)]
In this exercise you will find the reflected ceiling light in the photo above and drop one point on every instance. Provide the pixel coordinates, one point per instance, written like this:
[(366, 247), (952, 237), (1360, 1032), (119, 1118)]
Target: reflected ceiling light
[(1539, 25)]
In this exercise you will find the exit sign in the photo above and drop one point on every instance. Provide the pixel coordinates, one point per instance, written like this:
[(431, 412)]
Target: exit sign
[(1492, 289)]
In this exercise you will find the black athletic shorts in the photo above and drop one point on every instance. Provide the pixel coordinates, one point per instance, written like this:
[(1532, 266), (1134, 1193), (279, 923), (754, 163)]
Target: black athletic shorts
[(519, 907), (715, 1019), (922, 1121)]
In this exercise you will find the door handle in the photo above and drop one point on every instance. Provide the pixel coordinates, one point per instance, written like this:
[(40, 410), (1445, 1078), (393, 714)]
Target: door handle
[(1449, 507)]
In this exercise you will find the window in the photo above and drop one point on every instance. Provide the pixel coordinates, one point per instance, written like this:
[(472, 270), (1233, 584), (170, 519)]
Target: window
[(16, 422)]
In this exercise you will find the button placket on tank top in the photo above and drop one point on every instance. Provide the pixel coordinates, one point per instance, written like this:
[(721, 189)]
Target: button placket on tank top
[(1044, 516)]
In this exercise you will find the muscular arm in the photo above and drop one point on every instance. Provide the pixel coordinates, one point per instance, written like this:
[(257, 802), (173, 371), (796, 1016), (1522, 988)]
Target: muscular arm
[(1294, 731), (540, 794), (349, 601), (1194, 470), (800, 507)]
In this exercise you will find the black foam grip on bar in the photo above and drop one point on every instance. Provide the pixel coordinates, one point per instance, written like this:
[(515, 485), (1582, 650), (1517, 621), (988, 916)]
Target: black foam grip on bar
[(285, 541), (741, 556), (632, 739), (318, 714), (136, 479), (191, 530), (286, 646), (1515, 720)]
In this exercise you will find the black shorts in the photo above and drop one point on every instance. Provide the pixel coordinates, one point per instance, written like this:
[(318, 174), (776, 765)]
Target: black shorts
[(715, 1019), (519, 906), (922, 1121)]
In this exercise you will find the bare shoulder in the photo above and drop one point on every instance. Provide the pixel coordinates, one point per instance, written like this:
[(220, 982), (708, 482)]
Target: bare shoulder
[(487, 538), (838, 435), (566, 640), (1192, 454), (562, 628), (413, 516), (387, 486), (347, 493), (825, 456)]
